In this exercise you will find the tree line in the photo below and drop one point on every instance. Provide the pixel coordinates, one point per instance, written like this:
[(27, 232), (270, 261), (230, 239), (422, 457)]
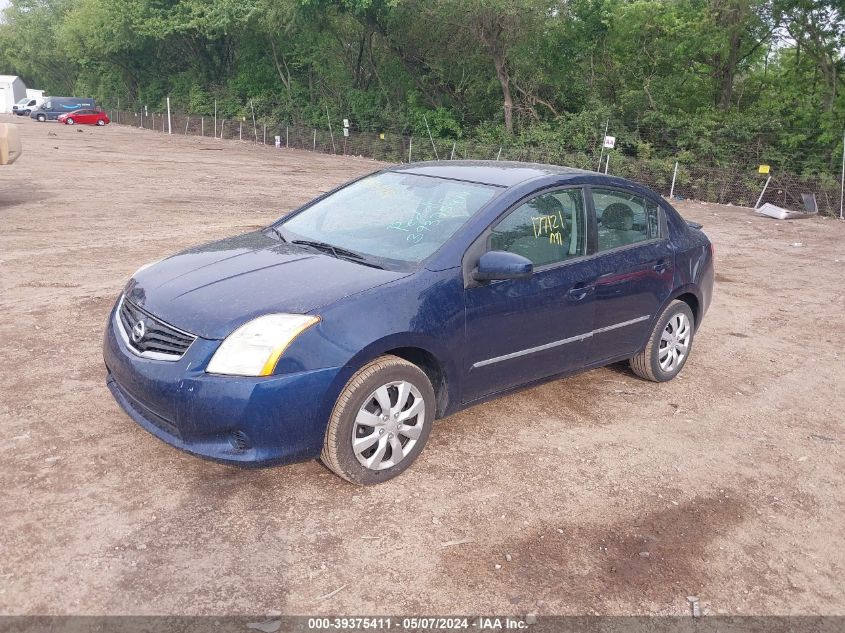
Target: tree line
[(715, 82)]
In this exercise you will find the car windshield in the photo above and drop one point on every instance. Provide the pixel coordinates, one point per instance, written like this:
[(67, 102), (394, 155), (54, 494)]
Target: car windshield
[(391, 216)]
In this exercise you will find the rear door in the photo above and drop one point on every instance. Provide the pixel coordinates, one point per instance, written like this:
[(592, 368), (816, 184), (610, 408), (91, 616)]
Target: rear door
[(520, 330), (635, 266)]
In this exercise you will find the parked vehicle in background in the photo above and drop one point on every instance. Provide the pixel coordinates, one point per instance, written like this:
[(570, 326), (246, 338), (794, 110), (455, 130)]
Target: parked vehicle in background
[(12, 90), (25, 106), (55, 106), (84, 117)]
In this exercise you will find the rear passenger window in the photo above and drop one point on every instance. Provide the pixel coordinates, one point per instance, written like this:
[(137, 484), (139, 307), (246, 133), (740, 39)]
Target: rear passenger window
[(547, 229), (624, 219)]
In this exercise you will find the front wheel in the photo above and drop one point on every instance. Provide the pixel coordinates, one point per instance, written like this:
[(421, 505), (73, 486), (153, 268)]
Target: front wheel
[(669, 345), (70, 121), (380, 422), (101, 122), (41, 118)]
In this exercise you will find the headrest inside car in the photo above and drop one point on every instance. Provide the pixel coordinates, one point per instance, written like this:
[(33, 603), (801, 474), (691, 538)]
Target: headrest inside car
[(618, 216)]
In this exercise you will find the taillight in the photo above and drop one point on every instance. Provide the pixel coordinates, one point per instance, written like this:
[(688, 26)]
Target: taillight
[(713, 250)]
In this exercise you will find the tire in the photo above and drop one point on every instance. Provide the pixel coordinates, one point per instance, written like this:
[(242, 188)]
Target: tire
[(101, 122), (669, 345), (69, 121), (41, 118), (358, 403)]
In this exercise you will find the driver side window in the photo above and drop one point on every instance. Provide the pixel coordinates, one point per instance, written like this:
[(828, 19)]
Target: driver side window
[(547, 229)]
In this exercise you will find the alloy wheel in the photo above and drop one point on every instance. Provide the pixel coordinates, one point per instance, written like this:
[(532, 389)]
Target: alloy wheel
[(388, 425), (674, 342)]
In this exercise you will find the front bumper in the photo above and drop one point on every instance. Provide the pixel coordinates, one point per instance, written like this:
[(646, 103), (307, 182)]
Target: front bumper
[(239, 420)]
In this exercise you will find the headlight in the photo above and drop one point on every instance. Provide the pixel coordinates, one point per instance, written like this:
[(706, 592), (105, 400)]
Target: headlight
[(255, 347)]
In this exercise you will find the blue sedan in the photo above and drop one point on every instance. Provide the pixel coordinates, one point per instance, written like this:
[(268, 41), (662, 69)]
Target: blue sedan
[(346, 328)]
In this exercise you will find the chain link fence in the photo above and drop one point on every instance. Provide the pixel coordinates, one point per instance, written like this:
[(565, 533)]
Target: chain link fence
[(680, 180)]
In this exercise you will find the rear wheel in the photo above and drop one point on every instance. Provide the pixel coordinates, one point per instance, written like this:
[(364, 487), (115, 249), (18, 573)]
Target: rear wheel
[(69, 121), (41, 118), (380, 422), (101, 122), (668, 347)]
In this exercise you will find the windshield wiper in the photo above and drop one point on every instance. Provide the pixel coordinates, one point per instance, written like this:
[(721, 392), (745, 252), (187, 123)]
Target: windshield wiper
[(338, 252)]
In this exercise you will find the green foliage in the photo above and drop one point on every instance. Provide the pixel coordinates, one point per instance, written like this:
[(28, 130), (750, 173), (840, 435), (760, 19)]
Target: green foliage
[(440, 122), (200, 100), (707, 82)]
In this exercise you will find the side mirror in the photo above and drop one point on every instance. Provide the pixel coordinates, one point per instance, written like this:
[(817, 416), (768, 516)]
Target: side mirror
[(494, 265)]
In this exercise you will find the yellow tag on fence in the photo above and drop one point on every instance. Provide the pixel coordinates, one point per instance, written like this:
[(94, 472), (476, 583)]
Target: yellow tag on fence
[(763, 169), (381, 136)]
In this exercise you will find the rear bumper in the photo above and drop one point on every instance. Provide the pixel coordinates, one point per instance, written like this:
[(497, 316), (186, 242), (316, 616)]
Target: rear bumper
[(237, 420)]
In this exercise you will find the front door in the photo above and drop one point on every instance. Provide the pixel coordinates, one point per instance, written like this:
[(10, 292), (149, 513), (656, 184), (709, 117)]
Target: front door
[(520, 330), (635, 267)]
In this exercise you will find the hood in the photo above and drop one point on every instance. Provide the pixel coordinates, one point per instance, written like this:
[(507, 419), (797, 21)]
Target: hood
[(210, 290)]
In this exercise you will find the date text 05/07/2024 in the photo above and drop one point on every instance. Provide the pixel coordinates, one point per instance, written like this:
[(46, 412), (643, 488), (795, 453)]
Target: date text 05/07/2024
[(420, 623)]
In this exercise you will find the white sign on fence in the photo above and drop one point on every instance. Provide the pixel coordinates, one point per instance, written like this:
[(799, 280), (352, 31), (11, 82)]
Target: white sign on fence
[(346, 123), (278, 141), (609, 142), (346, 131)]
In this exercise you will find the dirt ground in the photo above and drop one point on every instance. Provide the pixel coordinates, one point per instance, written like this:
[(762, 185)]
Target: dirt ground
[(608, 494)]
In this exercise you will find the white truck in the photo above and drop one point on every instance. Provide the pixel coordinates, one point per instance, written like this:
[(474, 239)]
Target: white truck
[(26, 105)]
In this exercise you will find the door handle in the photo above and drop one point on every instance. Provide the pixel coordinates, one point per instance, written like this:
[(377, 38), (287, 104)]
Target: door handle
[(661, 265), (580, 290)]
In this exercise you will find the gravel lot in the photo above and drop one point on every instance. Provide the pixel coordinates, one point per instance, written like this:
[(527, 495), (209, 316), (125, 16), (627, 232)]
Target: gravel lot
[(607, 493)]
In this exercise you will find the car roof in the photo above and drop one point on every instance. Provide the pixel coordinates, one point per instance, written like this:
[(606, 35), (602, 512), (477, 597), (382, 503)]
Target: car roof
[(489, 172)]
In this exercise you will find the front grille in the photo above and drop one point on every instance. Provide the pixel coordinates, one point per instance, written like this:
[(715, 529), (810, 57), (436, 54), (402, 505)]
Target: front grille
[(154, 338)]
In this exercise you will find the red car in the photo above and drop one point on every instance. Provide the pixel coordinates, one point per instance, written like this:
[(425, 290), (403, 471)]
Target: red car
[(90, 117)]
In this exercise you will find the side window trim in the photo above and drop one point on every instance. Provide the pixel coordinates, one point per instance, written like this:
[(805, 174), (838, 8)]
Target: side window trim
[(592, 222)]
